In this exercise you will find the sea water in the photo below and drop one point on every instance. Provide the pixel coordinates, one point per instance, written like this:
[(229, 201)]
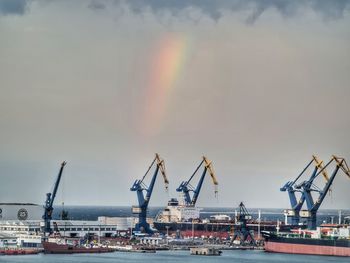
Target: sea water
[(235, 256)]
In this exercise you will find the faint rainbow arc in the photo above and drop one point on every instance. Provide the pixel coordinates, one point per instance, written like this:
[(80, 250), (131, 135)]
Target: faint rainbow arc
[(167, 67)]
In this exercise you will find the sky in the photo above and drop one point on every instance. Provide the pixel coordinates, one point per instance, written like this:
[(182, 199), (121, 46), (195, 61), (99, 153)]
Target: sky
[(257, 87)]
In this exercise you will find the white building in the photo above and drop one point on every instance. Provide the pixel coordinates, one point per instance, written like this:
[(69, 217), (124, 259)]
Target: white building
[(69, 228)]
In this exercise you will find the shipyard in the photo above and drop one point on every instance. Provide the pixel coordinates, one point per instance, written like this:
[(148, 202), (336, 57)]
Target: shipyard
[(28, 228), (170, 131)]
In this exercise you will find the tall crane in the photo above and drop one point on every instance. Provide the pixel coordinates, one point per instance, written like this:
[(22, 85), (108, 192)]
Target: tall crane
[(50, 198), (313, 206), (186, 186), (242, 230), (292, 187), (140, 187)]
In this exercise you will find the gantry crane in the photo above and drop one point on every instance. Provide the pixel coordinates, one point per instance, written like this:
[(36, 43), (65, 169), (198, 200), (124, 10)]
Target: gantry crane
[(241, 230), (186, 186), (140, 187), (312, 207), (292, 187), (50, 198)]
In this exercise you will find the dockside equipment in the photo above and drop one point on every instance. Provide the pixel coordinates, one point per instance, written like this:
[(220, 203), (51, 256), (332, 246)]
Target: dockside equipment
[(143, 200), (50, 198), (186, 186)]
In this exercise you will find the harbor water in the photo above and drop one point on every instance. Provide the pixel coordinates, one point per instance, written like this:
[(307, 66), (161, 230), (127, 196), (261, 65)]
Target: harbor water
[(235, 256)]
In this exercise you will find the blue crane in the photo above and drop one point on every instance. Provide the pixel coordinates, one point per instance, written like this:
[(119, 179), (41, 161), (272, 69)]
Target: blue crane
[(292, 187), (242, 230), (313, 206), (186, 186), (140, 187), (50, 198)]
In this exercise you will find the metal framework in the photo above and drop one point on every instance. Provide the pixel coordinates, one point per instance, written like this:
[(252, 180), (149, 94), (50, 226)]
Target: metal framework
[(186, 186), (50, 198), (144, 194)]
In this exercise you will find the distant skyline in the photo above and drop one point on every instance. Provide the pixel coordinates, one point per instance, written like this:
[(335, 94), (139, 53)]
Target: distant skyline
[(255, 86)]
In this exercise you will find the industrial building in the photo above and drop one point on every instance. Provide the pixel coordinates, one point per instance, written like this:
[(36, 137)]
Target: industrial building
[(20, 211)]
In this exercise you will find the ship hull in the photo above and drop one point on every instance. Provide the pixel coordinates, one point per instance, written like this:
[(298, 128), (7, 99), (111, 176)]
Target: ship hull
[(54, 248), (13, 252), (308, 246), (211, 229)]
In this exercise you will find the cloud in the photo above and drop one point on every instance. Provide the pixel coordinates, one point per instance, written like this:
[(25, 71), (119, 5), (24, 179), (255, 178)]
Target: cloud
[(96, 5), (13, 7), (215, 10), (331, 9)]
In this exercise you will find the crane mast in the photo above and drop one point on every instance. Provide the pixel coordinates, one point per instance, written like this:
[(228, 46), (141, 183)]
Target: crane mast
[(50, 198), (185, 187), (144, 194)]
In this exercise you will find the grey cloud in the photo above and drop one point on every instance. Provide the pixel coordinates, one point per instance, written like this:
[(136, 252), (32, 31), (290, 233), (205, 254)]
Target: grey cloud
[(96, 5), (333, 9), (13, 7)]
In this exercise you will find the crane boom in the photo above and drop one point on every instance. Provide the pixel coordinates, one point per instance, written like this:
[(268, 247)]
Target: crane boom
[(292, 187), (143, 198), (313, 206), (50, 198), (186, 186)]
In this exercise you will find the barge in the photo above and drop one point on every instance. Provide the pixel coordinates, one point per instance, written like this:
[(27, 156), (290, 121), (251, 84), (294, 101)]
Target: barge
[(65, 248)]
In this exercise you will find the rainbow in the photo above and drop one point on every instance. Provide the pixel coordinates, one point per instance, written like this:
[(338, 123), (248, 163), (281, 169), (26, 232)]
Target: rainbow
[(166, 68)]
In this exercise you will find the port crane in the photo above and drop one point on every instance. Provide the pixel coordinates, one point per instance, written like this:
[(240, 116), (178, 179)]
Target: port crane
[(313, 206), (140, 187), (50, 198), (186, 186), (292, 187), (242, 230)]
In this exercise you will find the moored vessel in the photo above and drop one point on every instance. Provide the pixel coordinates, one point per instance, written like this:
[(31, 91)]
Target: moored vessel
[(20, 251), (205, 251), (306, 244), (66, 248)]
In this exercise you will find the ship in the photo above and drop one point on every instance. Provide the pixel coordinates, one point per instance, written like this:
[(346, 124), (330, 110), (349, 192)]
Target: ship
[(20, 251), (186, 221), (309, 243), (205, 251), (66, 248)]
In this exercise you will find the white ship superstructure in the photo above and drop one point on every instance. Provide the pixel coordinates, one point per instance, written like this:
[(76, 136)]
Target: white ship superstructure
[(176, 212)]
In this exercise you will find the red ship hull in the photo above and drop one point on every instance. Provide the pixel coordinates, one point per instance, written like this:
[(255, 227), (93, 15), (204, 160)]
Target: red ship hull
[(14, 252), (306, 249), (54, 248)]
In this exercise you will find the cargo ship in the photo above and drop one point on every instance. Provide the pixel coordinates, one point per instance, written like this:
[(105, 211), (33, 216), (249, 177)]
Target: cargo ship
[(186, 221), (54, 247), (305, 243)]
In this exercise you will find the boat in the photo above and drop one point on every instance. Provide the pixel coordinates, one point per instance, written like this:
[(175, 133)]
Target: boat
[(205, 251), (15, 252), (65, 248), (185, 221), (306, 244)]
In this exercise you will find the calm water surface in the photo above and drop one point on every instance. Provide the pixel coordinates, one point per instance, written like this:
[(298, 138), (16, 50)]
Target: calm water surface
[(174, 256)]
